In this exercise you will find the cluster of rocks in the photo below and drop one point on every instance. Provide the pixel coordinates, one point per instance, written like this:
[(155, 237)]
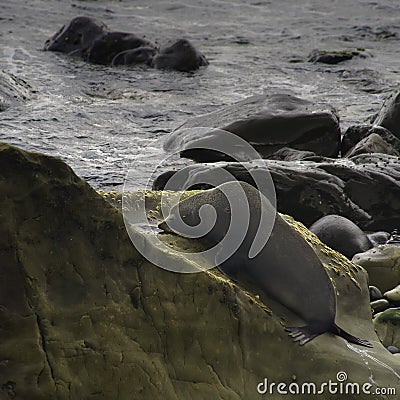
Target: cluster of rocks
[(91, 40), (316, 170)]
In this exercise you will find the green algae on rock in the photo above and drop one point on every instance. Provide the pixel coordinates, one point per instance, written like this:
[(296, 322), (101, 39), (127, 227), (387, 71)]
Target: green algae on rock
[(83, 315)]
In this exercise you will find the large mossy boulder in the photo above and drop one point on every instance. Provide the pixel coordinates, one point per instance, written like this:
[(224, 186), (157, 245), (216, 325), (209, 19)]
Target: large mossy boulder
[(83, 315)]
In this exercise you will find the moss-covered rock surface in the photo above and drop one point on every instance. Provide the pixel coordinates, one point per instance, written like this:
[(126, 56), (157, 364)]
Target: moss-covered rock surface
[(84, 316)]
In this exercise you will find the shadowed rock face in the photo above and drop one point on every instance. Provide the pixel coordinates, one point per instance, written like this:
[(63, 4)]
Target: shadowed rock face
[(180, 56), (76, 37), (106, 47), (83, 315), (364, 189), (267, 122)]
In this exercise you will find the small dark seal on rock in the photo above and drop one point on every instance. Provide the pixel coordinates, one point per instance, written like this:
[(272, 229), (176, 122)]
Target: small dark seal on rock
[(286, 269), (180, 56)]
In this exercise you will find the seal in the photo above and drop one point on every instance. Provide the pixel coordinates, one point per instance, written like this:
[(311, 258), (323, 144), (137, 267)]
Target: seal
[(341, 235), (286, 269)]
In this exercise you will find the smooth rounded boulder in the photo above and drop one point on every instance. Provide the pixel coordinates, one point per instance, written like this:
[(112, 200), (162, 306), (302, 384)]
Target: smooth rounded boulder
[(106, 47), (341, 234), (267, 122), (76, 37), (179, 56)]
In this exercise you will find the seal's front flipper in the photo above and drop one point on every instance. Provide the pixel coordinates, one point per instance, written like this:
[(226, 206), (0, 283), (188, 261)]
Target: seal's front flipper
[(350, 338), (302, 334)]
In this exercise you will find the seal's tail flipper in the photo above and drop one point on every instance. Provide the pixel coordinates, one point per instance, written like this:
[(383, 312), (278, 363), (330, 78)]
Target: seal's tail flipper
[(350, 338), (301, 334)]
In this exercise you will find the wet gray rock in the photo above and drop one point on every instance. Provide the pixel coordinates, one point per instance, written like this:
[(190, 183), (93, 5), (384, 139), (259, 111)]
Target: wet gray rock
[(357, 133), (289, 154), (13, 90), (332, 57), (341, 234), (267, 122), (365, 189), (377, 238), (179, 56), (372, 144), (389, 115), (76, 37)]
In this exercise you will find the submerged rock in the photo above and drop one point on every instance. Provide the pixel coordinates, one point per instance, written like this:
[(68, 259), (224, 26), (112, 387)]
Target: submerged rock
[(76, 37), (83, 314), (332, 57), (267, 122), (179, 56), (365, 189)]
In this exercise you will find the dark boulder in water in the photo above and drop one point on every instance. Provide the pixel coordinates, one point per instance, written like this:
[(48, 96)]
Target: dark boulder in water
[(267, 122), (332, 57), (179, 56), (106, 47), (76, 37)]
